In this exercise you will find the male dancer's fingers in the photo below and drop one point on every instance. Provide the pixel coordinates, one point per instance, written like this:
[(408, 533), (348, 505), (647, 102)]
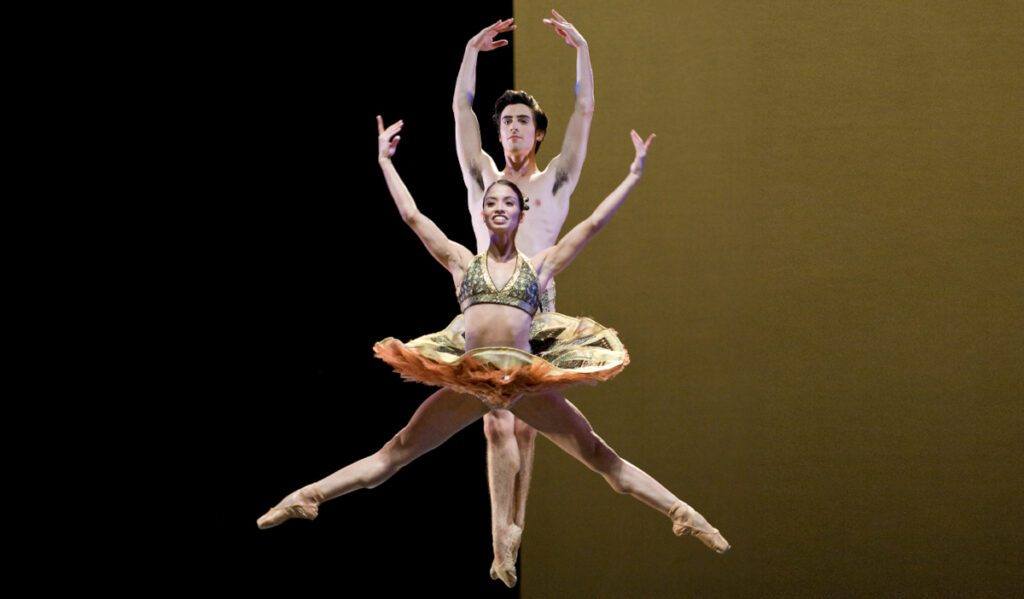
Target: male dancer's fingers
[(501, 26), (485, 41), (559, 30), (563, 27), (558, 20)]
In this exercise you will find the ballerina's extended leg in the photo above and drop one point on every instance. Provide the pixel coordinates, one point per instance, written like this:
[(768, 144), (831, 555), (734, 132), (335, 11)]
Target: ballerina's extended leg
[(439, 417), (557, 419)]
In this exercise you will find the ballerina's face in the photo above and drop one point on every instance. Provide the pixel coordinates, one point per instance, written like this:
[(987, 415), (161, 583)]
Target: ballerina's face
[(502, 208)]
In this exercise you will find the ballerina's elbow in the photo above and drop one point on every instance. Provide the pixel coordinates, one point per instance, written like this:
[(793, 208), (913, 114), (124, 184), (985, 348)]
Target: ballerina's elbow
[(411, 217)]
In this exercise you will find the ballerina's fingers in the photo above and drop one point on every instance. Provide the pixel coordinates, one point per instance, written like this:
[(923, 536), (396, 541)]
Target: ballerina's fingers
[(391, 130), (388, 138), (639, 142)]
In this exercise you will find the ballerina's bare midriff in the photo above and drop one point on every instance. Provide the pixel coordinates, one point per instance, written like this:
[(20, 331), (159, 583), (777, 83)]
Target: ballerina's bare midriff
[(496, 325)]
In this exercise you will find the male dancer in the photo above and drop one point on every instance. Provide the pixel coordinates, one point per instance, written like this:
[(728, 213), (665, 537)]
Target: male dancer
[(521, 128)]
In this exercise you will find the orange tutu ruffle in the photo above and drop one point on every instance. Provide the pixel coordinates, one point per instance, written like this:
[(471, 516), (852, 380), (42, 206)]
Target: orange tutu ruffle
[(566, 351)]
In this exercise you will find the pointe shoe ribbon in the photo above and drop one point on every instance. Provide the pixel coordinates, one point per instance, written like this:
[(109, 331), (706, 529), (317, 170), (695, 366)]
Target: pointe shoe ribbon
[(686, 521), (305, 504)]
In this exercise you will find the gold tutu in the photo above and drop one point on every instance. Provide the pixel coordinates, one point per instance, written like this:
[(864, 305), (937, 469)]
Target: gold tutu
[(565, 351)]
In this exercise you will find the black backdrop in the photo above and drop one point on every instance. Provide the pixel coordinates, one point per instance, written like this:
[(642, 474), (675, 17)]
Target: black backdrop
[(296, 263)]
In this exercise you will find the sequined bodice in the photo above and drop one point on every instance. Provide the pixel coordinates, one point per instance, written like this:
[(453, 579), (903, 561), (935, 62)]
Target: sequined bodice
[(520, 291)]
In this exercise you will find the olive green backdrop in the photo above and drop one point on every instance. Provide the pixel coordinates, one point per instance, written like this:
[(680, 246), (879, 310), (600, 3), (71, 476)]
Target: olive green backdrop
[(819, 280)]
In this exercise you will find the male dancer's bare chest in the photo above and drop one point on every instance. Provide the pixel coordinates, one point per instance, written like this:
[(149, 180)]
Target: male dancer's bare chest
[(543, 219)]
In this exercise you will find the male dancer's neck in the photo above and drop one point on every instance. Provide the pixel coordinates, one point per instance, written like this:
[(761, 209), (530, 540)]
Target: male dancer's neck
[(517, 167)]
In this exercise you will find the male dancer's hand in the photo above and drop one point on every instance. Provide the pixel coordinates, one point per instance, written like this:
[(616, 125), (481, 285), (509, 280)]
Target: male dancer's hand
[(566, 30), (485, 42)]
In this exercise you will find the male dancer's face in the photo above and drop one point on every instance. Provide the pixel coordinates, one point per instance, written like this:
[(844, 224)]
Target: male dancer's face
[(517, 130)]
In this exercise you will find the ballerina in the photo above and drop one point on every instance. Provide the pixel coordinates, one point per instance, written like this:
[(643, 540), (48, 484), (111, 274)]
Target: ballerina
[(485, 355)]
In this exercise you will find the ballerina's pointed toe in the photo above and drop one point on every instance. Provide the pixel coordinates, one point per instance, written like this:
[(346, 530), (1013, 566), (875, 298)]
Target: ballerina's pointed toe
[(687, 521), (305, 504)]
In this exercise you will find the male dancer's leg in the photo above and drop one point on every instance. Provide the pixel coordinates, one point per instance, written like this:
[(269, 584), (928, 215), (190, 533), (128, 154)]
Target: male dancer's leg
[(509, 463), (526, 436), (510, 469)]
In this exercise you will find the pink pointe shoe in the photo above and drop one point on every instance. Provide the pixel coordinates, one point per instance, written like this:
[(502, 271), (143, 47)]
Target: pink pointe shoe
[(687, 521), (304, 503)]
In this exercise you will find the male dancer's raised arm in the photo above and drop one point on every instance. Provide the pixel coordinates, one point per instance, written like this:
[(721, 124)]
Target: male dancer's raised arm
[(521, 127), (472, 158), (569, 162)]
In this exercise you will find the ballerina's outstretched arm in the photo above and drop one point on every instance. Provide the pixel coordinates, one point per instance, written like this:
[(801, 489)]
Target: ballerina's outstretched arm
[(553, 260), (453, 256)]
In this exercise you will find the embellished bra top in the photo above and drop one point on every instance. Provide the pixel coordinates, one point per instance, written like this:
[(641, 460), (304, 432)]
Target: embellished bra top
[(520, 292)]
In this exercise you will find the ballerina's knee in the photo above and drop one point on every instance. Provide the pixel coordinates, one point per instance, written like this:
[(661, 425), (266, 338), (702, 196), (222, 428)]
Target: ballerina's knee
[(603, 460), (619, 485), (385, 463)]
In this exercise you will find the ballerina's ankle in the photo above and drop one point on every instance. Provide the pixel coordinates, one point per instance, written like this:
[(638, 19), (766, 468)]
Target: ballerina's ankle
[(683, 523)]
